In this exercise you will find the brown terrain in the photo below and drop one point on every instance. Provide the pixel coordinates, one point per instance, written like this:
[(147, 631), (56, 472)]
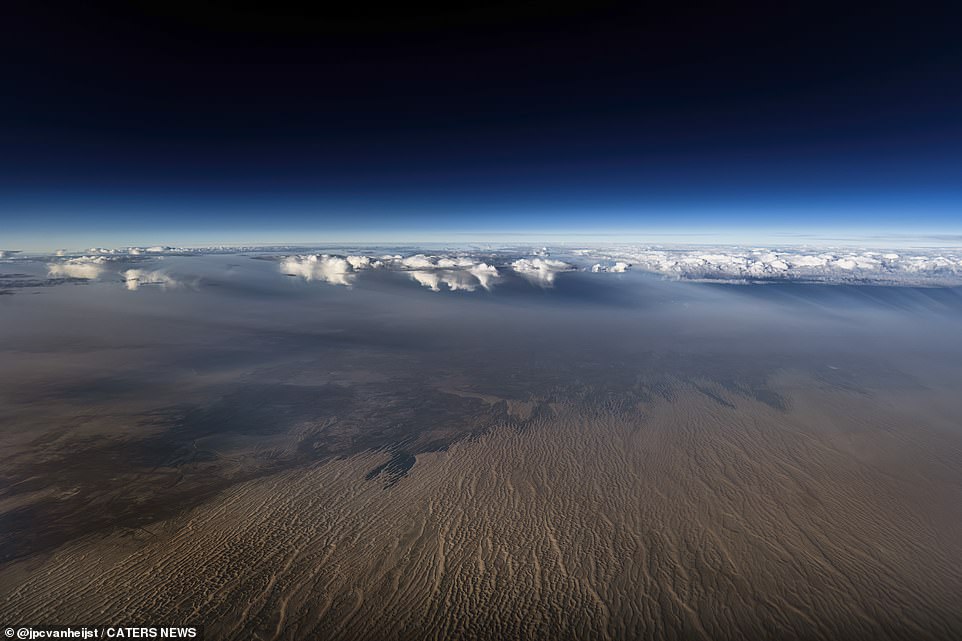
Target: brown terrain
[(702, 514)]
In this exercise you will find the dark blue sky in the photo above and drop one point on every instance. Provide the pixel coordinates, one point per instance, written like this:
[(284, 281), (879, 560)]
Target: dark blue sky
[(182, 123)]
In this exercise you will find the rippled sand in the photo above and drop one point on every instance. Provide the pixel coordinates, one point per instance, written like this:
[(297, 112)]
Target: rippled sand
[(705, 517)]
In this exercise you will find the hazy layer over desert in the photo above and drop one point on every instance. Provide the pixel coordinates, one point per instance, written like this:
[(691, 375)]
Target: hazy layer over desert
[(400, 444)]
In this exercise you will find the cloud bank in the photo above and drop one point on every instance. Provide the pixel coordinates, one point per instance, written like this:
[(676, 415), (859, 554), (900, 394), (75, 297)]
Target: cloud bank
[(907, 267), (482, 269), (451, 272)]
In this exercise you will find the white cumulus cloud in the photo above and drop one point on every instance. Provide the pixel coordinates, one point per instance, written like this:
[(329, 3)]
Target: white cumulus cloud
[(619, 267), (418, 261), (455, 272), (431, 280), (330, 269), (134, 278), (456, 280), (540, 271), (362, 262), (85, 267), (486, 274)]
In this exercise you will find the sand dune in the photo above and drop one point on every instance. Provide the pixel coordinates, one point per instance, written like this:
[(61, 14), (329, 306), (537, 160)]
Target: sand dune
[(692, 519)]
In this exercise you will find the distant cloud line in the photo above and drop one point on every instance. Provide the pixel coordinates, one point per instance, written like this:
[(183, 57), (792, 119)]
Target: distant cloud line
[(473, 270), (907, 267)]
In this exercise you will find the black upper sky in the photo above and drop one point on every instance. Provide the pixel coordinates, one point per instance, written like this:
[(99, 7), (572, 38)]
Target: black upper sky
[(537, 102)]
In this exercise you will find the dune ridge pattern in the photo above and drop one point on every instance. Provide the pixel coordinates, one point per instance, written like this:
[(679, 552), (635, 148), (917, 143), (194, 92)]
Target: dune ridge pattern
[(682, 519)]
